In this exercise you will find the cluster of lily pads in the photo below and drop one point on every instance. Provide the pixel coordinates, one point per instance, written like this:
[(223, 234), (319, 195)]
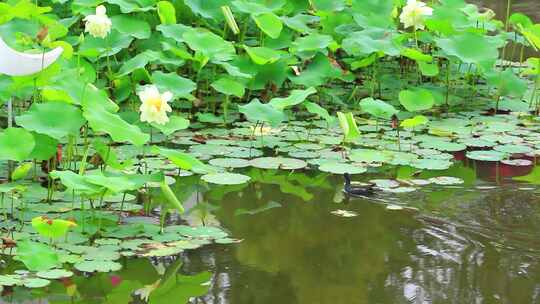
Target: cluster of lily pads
[(148, 92)]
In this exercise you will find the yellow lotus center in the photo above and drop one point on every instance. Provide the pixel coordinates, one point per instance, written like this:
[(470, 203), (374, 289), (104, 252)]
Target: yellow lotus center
[(156, 103)]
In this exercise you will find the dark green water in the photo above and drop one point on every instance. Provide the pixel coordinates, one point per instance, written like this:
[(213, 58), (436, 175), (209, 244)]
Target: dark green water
[(483, 247), (474, 243)]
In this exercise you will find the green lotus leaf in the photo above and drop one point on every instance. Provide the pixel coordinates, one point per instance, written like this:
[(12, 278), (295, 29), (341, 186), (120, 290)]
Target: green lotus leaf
[(131, 26), (130, 6), (300, 22), (43, 118), (138, 62), (36, 256), (314, 108), (472, 48), (269, 23), (312, 42), (416, 100), (229, 86), (348, 126), (369, 41), (109, 155), (257, 7), (116, 184), (206, 9), (317, 73), (16, 144), (100, 120), (377, 108), (428, 69), (111, 45), (328, 5), (262, 55), (45, 147), (52, 228), (416, 55), (176, 123), (98, 266), (507, 83), (296, 97), (209, 44), (21, 171), (75, 182), (180, 87), (414, 122), (255, 111), (183, 160), (166, 12)]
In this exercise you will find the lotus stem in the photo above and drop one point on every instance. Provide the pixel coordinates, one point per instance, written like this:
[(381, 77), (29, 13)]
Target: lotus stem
[(10, 124), (226, 109)]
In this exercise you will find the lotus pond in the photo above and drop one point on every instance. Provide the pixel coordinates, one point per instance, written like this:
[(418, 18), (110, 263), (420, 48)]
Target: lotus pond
[(193, 151)]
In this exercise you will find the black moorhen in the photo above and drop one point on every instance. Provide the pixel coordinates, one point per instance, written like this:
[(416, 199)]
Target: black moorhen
[(357, 189)]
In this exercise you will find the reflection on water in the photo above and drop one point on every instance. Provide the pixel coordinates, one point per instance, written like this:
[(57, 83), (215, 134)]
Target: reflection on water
[(473, 243), (476, 245)]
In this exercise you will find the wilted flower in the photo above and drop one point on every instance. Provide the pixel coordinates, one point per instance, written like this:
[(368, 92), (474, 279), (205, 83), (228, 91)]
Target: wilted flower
[(155, 105), (414, 14), (98, 25)]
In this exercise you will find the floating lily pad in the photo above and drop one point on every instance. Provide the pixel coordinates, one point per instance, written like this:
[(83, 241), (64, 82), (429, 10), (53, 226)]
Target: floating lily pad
[(98, 266), (446, 180), (54, 274), (399, 189), (226, 178), (278, 163), (229, 162), (432, 164), (490, 155), (420, 182), (517, 162), (341, 168), (228, 241), (385, 183), (10, 280), (35, 282), (513, 149), (344, 213)]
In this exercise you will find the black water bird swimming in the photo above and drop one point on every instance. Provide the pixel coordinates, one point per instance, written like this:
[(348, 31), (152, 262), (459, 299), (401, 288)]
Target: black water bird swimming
[(357, 189)]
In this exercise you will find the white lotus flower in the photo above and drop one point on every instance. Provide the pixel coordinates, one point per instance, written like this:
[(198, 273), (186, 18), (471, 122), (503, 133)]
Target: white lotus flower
[(155, 105), (98, 25), (414, 14)]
